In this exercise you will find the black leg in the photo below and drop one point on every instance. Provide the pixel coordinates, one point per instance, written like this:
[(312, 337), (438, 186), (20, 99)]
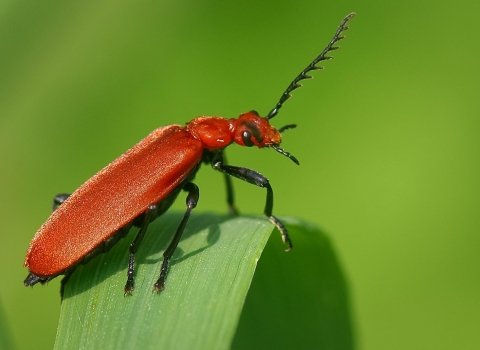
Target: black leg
[(149, 214), (192, 200), (255, 178), (32, 279), (230, 197), (59, 199)]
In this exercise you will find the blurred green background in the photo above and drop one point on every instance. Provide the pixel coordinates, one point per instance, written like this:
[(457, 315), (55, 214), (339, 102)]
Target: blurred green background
[(388, 137)]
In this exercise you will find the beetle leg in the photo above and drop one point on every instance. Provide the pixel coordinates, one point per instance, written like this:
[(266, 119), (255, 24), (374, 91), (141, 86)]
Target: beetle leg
[(230, 198), (59, 199), (255, 178), (230, 195), (33, 279), (228, 183), (149, 214), (192, 200)]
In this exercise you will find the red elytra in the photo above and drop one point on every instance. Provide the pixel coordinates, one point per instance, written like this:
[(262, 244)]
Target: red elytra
[(143, 183), (109, 200)]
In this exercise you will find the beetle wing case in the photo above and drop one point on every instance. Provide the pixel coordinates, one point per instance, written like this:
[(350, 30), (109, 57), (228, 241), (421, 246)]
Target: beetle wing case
[(112, 198)]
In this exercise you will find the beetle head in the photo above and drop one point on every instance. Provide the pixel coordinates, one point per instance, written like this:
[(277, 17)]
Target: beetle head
[(252, 130)]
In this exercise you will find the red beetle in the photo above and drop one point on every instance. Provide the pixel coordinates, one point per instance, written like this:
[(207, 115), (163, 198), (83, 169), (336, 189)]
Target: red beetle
[(143, 183)]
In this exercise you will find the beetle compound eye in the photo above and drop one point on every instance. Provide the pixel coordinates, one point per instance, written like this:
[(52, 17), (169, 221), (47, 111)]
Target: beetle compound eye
[(247, 138)]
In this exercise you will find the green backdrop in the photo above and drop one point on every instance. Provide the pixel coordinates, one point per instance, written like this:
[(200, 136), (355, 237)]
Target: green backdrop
[(388, 137)]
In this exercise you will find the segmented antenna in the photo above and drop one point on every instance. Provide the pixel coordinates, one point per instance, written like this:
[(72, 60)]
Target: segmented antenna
[(312, 66)]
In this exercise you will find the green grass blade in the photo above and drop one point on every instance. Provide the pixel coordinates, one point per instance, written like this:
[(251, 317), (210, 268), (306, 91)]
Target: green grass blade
[(208, 281), (297, 300)]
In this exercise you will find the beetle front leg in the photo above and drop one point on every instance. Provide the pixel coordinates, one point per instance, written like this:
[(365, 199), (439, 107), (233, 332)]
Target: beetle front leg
[(192, 200), (257, 179)]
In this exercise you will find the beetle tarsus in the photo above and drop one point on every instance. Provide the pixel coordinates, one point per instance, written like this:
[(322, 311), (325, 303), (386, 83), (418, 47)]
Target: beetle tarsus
[(160, 284), (283, 231), (130, 285)]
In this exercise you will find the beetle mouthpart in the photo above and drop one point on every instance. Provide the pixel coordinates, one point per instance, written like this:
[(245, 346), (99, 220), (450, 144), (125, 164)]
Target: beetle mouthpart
[(286, 154)]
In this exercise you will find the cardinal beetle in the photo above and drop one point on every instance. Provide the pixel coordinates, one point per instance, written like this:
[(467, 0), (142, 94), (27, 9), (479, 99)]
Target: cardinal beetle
[(142, 184)]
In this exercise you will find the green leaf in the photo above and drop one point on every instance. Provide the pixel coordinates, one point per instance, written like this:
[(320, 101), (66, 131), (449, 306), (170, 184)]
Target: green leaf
[(209, 278), (297, 300)]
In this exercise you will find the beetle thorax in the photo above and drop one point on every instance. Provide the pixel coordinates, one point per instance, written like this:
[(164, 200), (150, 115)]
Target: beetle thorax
[(213, 132)]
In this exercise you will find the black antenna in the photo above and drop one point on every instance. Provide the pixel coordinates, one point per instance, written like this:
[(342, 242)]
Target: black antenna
[(312, 66)]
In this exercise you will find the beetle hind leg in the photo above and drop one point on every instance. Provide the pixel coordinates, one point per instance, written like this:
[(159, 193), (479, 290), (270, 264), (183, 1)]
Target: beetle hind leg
[(147, 218), (192, 200), (58, 200), (33, 279)]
